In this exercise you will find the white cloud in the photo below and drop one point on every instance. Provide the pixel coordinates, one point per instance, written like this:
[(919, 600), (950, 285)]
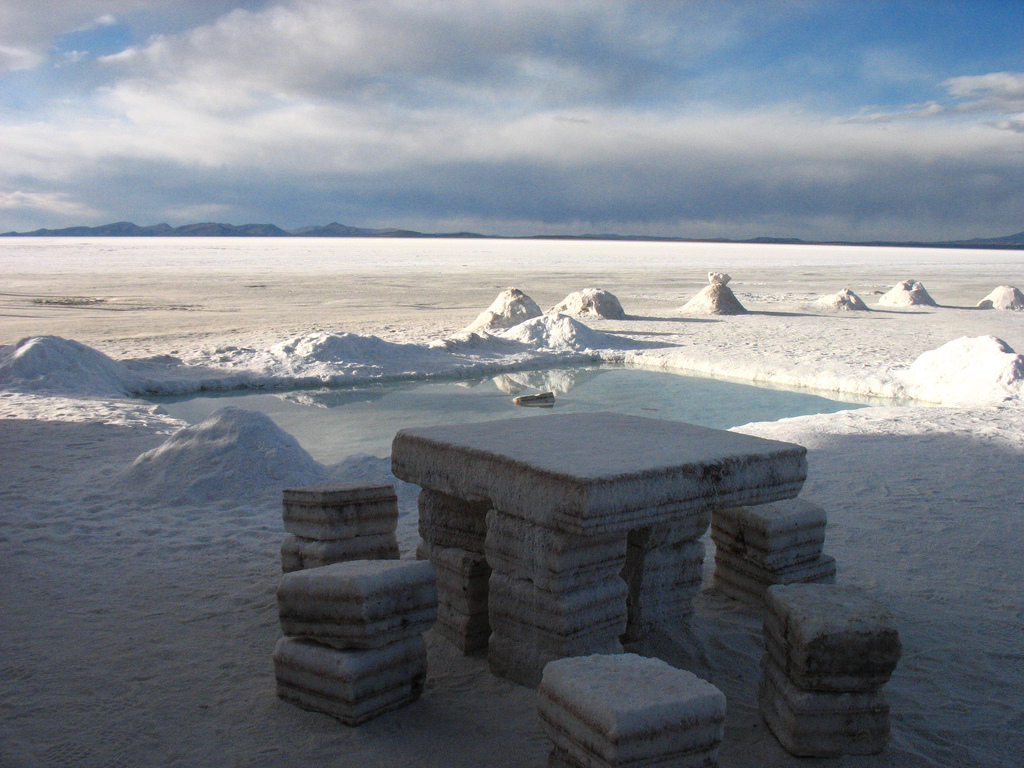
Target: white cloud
[(43, 202), (13, 58), (1001, 92)]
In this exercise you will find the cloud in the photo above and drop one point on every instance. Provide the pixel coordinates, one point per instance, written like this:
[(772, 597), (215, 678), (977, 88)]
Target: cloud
[(507, 118), (45, 202)]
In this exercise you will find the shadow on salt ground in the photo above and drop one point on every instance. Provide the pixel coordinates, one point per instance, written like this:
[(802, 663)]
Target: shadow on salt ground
[(767, 313), (932, 525), (673, 319)]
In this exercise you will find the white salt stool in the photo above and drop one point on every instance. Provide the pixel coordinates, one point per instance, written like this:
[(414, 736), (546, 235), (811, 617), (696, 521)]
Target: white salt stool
[(333, 523), (358, 604), (618, 710), (829, 651), (777, 543), (353, 686)]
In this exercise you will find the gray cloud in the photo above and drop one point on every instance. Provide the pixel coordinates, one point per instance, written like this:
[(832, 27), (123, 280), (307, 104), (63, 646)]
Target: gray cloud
[(503, 117)]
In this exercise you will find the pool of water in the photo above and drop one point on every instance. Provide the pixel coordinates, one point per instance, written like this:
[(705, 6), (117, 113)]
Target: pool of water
[(335, 423)]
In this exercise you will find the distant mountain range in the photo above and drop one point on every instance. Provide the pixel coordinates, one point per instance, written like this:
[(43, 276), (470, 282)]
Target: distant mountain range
[(334, 229)]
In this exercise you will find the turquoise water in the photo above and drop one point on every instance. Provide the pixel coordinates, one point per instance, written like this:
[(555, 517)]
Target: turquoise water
[(334, 423)]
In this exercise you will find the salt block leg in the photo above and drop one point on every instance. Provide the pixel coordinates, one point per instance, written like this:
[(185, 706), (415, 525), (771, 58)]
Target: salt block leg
[(663, 575), (446, 521), (462, 587), (551, 559), (550, 595)]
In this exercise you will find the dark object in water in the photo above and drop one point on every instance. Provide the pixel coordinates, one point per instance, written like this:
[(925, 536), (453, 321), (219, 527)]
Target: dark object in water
[(542, 400)]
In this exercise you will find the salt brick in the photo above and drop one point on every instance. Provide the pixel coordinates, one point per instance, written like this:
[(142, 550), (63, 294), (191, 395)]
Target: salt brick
[(741, 586), (831, 638), (329, 512), (359, 604), (551, 559), (773, 527), (522, 657), (465, 632), (769, 560), (561, 613), (647, 472), (352, 686), (813, 570), (298, 552), (821, 724), (689, 529), (462, 579), (629, 710), (662, 583), (445, 521)]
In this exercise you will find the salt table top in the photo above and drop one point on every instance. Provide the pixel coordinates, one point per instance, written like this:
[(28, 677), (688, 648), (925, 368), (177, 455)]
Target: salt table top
[(598, 472)]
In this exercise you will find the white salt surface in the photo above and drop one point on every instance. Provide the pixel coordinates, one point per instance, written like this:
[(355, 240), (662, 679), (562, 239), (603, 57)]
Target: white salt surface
[(139, 618)]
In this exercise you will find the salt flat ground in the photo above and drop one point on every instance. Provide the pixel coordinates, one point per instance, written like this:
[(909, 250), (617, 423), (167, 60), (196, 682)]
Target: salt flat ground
[(139, 633)]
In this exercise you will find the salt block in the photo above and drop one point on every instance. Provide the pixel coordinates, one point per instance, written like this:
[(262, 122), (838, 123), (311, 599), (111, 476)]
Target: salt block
[(359, 604), (662, 582), (521, 658), (466, 632), (775, 560), (744, 581), (353, 686), (446, 521), (298, 552), (600, 604), (595, 473), (341, 511), (821, 724), (822, 568), (688, 529), (629, 710), (770, 529), (462, 579), (827, 637), (551, 559)]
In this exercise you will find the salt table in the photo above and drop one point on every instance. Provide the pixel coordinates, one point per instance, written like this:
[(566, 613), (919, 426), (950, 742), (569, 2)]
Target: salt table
[(585, 481)]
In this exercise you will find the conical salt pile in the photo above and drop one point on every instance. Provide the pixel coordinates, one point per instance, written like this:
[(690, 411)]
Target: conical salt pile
[(716, 299)]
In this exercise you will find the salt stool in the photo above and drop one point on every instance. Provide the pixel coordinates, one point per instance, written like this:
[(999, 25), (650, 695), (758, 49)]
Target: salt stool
[(777, 543), (353, 645), (828, 651), (333, 523), (605, 711)]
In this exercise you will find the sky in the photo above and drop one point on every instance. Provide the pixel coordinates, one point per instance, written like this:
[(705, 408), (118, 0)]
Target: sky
[(822, 120)]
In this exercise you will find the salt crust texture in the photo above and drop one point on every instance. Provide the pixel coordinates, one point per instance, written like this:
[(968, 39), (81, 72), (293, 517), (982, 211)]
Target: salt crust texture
[(923, 506)]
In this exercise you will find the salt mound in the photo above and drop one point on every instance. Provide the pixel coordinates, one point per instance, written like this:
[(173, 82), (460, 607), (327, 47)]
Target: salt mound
[(558, 332), (718, 278), (323, 347), (234, 455), (909, 293), (510, 308), (53, 364), (1003, 297), (592, 302), (981, 369), (844, 301), (715, 299)]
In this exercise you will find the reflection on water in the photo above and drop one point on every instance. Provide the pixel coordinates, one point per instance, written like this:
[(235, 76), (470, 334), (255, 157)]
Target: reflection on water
[(334, 423)]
